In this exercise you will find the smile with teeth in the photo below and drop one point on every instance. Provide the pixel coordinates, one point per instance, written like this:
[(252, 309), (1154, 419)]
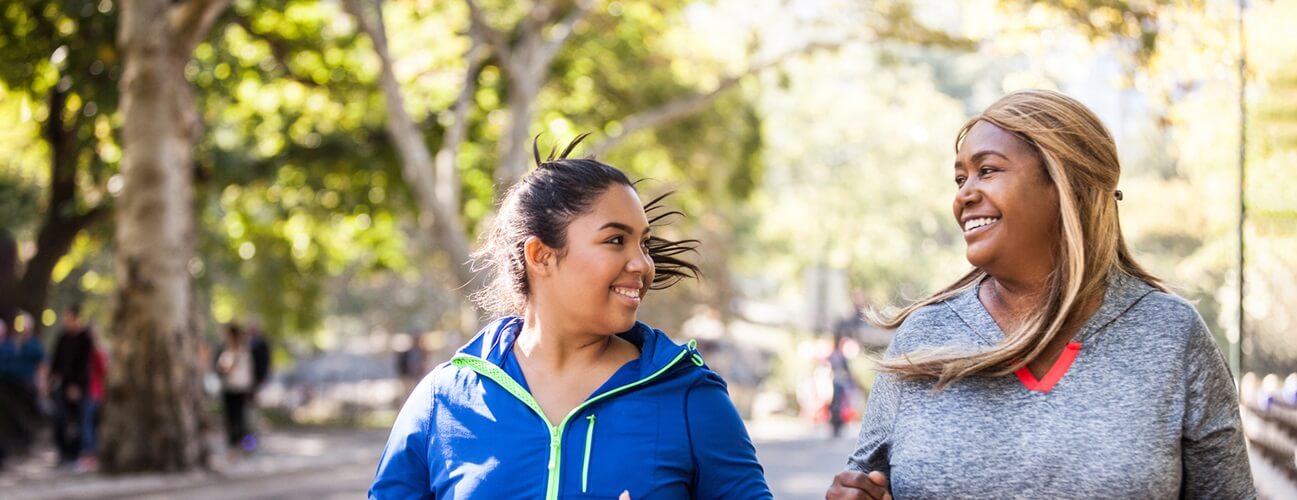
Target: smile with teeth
[(979, 222), (630, 293)]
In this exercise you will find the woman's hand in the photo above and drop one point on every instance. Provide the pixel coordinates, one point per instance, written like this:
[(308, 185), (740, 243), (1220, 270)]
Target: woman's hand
[(625, 495), (852, 485)]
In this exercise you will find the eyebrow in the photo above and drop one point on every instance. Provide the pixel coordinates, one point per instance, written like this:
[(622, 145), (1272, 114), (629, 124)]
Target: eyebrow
[(623, 227), (978, 156)]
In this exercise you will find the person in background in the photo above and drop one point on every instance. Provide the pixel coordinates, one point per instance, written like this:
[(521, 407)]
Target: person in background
[(1057, 367), (94, 404), (234, 365), (262, 356), (22, 367), (843, 383), (567, 395), (69, 379), (856, 327)]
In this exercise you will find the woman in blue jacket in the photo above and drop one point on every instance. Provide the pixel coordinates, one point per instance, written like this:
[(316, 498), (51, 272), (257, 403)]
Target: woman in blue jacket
[(567, 395)]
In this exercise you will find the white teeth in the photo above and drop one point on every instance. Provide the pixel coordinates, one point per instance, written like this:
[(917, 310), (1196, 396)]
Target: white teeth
[(976, 223), (626, 292)]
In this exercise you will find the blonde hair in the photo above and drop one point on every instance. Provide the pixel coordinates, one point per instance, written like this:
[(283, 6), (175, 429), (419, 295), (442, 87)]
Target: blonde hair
[(1080, 159)]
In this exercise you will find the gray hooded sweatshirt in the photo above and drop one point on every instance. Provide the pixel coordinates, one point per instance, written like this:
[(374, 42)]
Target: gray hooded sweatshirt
[(1146, 409)]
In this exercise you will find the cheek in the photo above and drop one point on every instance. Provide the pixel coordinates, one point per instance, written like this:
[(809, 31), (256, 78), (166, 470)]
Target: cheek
[(1046, 216)]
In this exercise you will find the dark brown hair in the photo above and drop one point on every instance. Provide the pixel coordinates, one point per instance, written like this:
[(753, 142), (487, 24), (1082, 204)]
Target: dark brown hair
[(542, 205)]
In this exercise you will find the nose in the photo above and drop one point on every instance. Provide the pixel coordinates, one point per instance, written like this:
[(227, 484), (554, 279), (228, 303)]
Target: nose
[(967, 195), (641, 262)]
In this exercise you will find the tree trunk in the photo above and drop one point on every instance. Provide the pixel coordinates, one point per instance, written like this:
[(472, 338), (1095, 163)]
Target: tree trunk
[(156, 418)]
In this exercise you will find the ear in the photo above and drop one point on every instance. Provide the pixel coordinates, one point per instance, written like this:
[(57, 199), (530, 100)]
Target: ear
[(539, 256)]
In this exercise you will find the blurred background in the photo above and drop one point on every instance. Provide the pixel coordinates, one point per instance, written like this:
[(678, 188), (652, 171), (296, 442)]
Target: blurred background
[(347, 154)]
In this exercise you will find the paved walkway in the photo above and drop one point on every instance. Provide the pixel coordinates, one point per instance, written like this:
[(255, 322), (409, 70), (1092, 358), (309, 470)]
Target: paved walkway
[(282, 455), (326, 464)]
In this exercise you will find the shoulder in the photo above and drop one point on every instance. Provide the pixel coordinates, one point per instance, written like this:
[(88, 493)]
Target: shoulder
[(446, 376), (1169, 324), (1167, 309), (1172, 317)]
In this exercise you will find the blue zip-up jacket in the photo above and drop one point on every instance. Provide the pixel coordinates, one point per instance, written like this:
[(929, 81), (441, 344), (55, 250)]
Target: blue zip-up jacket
[(662, 427)]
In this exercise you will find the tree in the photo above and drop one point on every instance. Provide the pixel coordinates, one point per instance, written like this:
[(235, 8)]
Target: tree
[(155, 389), (61, 53)]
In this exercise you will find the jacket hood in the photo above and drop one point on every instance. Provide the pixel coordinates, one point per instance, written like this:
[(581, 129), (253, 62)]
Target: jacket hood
[(1123, 292)]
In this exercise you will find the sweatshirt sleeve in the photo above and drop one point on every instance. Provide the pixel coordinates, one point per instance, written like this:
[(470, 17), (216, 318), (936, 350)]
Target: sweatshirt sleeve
[(1214, 456), (873, 447), (725, 461), (403, 470)]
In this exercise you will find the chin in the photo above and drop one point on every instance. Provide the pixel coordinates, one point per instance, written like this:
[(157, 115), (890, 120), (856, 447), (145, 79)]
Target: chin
[(980, 256), (627, 325)]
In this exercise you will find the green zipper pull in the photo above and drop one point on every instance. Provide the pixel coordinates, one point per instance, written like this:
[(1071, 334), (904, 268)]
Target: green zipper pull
[(554, 444), (589, 443), (692, 348)]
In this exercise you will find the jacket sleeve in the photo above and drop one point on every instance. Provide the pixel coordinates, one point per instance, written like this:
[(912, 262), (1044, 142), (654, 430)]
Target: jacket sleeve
[(873, 447), (403, 470), (725, 461), (1213, 454)]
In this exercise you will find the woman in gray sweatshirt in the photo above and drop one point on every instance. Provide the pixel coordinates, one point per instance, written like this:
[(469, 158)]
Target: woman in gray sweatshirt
[(1057, 367)]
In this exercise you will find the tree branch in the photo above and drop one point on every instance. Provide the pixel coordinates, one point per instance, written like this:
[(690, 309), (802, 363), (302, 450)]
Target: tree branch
[(191, 20), (693, 103), (446, 161), (495, 38), (279, 50), (416, 162), (559, 34)]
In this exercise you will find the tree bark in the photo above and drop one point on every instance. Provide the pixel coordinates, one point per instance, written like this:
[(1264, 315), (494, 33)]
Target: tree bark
[(157, 418)]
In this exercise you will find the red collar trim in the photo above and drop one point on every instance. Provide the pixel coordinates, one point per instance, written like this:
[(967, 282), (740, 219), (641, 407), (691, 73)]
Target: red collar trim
[(1055, 373)]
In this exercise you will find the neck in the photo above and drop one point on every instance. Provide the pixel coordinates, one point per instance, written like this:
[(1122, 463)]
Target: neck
[(545, 342), (1017, 295)]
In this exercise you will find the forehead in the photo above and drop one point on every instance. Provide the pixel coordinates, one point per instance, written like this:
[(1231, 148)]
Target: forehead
[(986, 136), (618, 203)]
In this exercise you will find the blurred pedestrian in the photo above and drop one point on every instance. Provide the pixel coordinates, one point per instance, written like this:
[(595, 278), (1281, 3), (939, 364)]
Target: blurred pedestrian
[(94, 401), (262, 356), (234, 365), (568, 395), (1057, 367), (411, 362), (840, 404), (22, 367), (69, 380), (856, 327)]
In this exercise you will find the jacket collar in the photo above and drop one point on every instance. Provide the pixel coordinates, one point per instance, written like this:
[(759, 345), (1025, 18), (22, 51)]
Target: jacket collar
[(1123, 291), (495, 341)]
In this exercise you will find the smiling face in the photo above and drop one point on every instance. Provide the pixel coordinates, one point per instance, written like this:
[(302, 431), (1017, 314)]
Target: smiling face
[(595, 284), (1006, 205)]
